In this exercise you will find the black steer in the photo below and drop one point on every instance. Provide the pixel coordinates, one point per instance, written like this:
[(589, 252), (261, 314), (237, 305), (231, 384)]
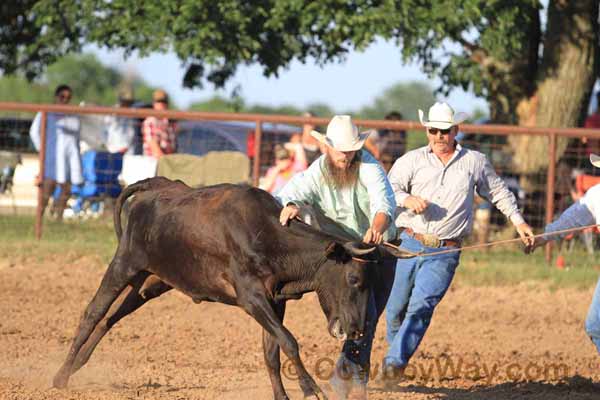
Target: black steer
[(225, 243)]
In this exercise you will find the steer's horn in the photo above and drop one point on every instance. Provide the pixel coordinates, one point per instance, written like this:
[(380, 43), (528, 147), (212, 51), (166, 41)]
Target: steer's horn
[(396, 251), (359, 249)]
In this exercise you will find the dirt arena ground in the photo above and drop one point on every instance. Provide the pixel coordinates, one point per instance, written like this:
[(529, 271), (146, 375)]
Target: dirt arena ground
[(497, 343)]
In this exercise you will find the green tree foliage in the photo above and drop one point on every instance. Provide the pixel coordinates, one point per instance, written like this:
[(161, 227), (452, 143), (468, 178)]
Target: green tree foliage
[(21, 49), (92, 82), (490, 46), (406, 98), (238, 104), (530, 73), (216, 104)]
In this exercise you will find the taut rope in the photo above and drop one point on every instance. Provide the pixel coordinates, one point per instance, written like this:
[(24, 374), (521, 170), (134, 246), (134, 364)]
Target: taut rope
[(489, 244)]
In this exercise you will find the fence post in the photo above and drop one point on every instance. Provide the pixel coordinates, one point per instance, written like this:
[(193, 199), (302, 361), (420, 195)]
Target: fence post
[(257, 148), (42, 172), (551, 179)]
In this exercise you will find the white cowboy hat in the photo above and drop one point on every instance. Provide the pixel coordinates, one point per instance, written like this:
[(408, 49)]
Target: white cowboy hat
[(342, 134), (595, 160), (442, 116)]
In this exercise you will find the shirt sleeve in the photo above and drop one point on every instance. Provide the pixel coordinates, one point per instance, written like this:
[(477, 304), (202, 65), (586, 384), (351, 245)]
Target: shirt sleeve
[(493, 188), (381, 195), (399, 178), (581, 213), (576, 215), (34, 131), (303, 187)]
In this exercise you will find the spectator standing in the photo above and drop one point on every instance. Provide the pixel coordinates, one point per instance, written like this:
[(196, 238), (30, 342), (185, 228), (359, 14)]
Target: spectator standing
[(387, 145), (120, 131), (312, 150), (289, 159), (63, 160), (158, 133)]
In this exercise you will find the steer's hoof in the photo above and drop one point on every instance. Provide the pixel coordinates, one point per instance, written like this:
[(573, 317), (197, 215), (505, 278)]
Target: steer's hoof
[(60, 381), (316, 396)]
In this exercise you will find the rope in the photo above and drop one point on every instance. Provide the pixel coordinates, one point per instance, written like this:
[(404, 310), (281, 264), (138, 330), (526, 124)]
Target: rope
[(489, 244)]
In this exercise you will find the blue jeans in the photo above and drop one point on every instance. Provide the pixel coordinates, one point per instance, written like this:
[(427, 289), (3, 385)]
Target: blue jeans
[(419, 285), (592, 322)]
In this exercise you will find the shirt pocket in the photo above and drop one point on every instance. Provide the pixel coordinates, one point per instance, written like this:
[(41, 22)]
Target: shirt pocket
[(458, 180)]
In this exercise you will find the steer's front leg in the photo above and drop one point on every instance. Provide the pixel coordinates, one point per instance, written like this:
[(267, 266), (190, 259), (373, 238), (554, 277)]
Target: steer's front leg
[(271, 353), (257, 305)]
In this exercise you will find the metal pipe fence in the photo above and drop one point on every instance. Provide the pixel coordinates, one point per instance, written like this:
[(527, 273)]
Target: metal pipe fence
[(541, 193)]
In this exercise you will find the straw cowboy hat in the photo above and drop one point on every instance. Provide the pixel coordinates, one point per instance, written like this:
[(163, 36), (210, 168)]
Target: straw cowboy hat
[(441, 116), (160, 95), (342, 134), (595, 160)]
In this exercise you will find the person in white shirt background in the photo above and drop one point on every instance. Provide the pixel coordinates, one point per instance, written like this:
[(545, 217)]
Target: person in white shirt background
[(120, 130), (584, 212), (63, 160)]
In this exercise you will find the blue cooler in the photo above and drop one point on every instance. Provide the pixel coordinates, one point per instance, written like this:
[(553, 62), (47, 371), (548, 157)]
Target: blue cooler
[(101, 170)]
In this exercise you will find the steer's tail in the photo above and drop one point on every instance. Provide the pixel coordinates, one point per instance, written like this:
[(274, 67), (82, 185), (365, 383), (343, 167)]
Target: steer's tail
[(146, 184)]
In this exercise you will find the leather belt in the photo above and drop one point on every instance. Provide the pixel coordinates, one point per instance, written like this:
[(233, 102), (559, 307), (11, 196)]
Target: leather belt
[(432, 240)]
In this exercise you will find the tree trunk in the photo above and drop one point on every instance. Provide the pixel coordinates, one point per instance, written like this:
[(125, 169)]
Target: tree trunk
[(564, 83), (507, 87)]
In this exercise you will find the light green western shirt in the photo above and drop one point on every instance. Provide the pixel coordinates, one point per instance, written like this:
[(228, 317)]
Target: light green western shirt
[(352, 208)]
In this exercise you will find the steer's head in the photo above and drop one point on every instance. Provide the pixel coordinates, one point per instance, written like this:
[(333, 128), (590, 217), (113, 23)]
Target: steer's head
[(344, 283)]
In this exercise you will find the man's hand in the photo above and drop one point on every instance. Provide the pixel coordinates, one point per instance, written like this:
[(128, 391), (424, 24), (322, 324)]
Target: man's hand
[(375, 233), (416, 203), (373, 236), (289, 212), (537, 242), (526, 234)]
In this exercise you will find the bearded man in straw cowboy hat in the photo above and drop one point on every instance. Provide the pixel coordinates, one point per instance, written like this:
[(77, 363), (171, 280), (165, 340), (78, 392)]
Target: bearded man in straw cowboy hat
[(348, 187), (434, 187), (584, 212)]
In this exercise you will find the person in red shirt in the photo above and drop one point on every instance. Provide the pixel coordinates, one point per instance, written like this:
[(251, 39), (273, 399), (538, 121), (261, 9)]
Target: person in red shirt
[(158, 133)]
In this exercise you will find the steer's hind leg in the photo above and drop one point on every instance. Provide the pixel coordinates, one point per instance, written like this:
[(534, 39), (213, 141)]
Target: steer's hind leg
[(254, 301), (271, 353), (119, 273), (143, 288)]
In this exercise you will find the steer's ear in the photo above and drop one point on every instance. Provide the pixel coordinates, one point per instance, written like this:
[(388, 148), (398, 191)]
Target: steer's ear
[(336, 251)]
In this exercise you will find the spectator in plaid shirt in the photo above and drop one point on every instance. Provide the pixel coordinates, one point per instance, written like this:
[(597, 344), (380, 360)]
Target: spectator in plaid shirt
[(159, 133)]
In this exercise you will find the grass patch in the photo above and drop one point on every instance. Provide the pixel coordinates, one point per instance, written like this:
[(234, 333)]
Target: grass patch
[(72, 239), (511, 267), (500, 266)]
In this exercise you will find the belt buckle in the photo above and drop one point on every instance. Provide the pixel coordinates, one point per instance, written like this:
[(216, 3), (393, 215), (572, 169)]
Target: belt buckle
[(431, 240)]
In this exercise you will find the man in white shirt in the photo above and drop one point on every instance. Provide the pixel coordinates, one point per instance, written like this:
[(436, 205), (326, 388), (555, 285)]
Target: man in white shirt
[(435, 187), (63, 160), (120, 131), (584, 212)]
